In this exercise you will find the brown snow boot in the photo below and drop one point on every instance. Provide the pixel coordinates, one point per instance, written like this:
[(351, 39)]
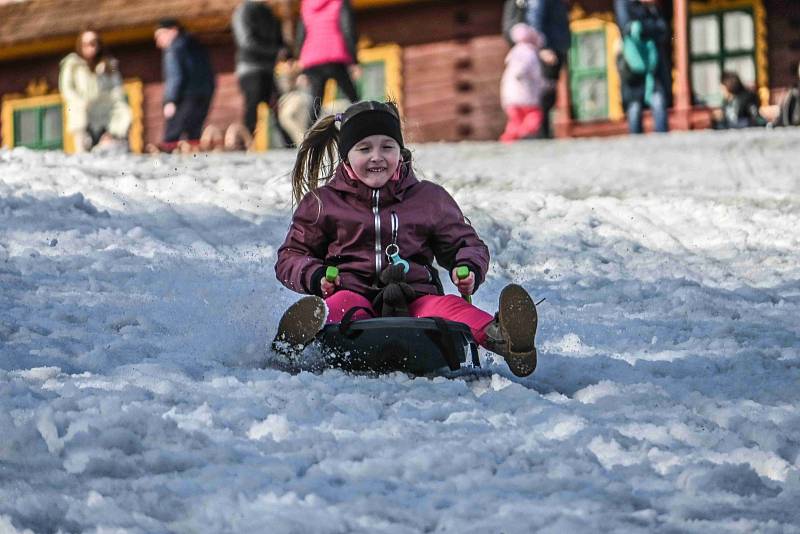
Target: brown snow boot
[(299, 325), (513, 331)]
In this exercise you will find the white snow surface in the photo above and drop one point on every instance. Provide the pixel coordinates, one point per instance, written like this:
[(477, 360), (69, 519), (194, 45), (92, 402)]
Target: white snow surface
[(137, 296)]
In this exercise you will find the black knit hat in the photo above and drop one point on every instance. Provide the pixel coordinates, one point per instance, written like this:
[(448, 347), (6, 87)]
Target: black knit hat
[(368, 118), (168, 22)]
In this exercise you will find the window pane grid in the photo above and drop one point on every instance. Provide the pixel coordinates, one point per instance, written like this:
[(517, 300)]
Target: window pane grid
[(588, 72)]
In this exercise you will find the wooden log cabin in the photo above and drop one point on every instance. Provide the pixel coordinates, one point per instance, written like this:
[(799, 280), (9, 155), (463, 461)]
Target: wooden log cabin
[(440, 59)]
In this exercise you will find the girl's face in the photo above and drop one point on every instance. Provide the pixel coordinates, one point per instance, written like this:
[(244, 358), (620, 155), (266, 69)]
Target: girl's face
[(89, 45), (374, 159)]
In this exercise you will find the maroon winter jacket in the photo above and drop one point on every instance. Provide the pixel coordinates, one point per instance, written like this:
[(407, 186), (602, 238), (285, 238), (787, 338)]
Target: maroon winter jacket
[(355, 223)]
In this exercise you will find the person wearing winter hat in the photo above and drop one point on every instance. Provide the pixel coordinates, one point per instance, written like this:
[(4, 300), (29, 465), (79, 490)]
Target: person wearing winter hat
[(522, 84), (361, 208), (189, 82)]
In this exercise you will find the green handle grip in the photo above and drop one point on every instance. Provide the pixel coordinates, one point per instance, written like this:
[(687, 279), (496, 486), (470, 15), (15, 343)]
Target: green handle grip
[(331, 273), (461, 273)]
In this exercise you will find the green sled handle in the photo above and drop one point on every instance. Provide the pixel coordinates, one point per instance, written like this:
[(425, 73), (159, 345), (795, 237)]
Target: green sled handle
[(331, 273), (461, 273)]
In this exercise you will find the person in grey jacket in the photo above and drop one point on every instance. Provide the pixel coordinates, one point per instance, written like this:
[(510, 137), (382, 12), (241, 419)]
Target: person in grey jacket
[(260, 44), (188, 82)]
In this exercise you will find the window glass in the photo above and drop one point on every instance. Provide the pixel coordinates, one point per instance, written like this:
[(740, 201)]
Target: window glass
[(51, 126), (744, 67), (739, 31), (26, 127), (372, 85), (591, 50), (705, 81), (705, 35), (593, 97)]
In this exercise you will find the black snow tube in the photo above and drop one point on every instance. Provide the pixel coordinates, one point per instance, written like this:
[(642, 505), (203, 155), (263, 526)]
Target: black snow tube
[(421, 346)]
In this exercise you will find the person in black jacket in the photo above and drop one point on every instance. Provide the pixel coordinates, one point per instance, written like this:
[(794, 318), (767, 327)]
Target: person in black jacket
[(188, 82), (551, 19), (643, 28), (740, 105), (260, 44)]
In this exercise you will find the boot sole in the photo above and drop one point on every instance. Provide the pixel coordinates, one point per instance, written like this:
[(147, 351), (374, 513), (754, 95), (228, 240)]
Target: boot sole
[(518, 319), (300, 324)]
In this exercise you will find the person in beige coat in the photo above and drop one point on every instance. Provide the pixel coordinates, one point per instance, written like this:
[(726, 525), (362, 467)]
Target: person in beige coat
[(91, 87)]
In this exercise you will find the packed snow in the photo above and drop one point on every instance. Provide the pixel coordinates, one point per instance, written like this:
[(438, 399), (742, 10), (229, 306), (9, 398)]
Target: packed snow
[(138, 296)]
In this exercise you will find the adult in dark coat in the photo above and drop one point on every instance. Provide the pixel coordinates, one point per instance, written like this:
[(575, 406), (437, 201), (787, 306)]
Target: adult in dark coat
[(259, 42), (643, 27), (740, 105), (188, 81), (551, 19)]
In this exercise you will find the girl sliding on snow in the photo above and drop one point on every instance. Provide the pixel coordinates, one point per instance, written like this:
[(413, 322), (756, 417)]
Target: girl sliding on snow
[(372, 217)]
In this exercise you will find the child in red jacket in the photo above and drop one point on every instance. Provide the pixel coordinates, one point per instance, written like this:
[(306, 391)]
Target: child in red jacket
[(372, 214)]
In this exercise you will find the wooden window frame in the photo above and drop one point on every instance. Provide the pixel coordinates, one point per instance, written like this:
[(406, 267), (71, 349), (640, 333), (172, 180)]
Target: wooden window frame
[(12, 104), (756, 9), (580, 23)]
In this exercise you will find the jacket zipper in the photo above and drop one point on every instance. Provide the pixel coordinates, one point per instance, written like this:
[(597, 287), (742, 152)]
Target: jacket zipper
[(378, 249), (395, 227)]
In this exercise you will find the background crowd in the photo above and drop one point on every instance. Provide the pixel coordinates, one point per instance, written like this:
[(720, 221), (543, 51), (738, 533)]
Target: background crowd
[(291, 76)]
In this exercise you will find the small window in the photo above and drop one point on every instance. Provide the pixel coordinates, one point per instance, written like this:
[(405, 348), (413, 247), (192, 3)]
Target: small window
[(588, 72), (39, 127), (722, 40)]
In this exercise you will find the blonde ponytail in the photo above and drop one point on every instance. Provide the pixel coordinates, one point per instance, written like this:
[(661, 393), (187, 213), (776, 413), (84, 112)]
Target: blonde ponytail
[(317, 157)]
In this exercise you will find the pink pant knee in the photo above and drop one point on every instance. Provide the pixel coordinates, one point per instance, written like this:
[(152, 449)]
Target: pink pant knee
[(453, 308), (448, 307), (342, 301)]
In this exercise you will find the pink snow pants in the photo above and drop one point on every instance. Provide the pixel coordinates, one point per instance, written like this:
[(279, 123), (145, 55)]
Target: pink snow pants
[(448, 307)]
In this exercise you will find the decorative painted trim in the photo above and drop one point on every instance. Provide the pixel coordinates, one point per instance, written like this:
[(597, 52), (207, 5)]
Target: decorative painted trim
[(760, 23), (261, 135), (134, 88), (605, 22)]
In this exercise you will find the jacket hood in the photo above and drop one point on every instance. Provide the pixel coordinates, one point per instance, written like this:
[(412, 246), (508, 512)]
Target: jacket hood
[(342, 183), (72, 58)]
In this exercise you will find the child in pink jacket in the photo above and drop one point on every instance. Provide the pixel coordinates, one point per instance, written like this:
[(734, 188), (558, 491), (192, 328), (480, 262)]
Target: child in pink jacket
[(522, 84), (369, 215)]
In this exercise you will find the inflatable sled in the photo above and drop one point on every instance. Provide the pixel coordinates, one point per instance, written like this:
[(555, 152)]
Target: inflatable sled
[(420, 346)]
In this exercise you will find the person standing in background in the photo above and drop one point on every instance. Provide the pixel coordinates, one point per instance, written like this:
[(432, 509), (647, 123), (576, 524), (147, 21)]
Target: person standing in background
[(644, 70), (551, 19), (522, 85), (260, 44), (188, 83), (326, 38), (91, 85)]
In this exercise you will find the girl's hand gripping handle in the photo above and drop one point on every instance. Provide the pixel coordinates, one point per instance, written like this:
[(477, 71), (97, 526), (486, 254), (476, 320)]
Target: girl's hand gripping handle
[(465, 283), (329, 283)]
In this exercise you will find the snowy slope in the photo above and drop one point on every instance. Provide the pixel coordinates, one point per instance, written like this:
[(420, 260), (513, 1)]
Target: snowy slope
[(137, 295)]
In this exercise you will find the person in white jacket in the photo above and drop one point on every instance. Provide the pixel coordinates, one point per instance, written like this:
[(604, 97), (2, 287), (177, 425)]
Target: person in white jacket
[(522, 85), (94, 98)]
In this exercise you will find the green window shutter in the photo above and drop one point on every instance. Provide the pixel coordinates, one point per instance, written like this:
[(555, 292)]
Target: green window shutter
[(588, 75), (39, 128), (372, 83), (719, 41)]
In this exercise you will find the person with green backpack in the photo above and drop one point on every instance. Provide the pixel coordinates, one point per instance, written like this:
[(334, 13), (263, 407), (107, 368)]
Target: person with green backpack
[(643, 63)]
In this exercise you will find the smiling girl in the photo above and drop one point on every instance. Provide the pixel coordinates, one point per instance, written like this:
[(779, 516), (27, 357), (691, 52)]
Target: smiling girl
[(372, 213)]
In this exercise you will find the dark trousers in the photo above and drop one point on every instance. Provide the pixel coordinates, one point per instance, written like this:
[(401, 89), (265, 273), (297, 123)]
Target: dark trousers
[(188, 119), (319, 74), (547, 100), (257, 86)]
